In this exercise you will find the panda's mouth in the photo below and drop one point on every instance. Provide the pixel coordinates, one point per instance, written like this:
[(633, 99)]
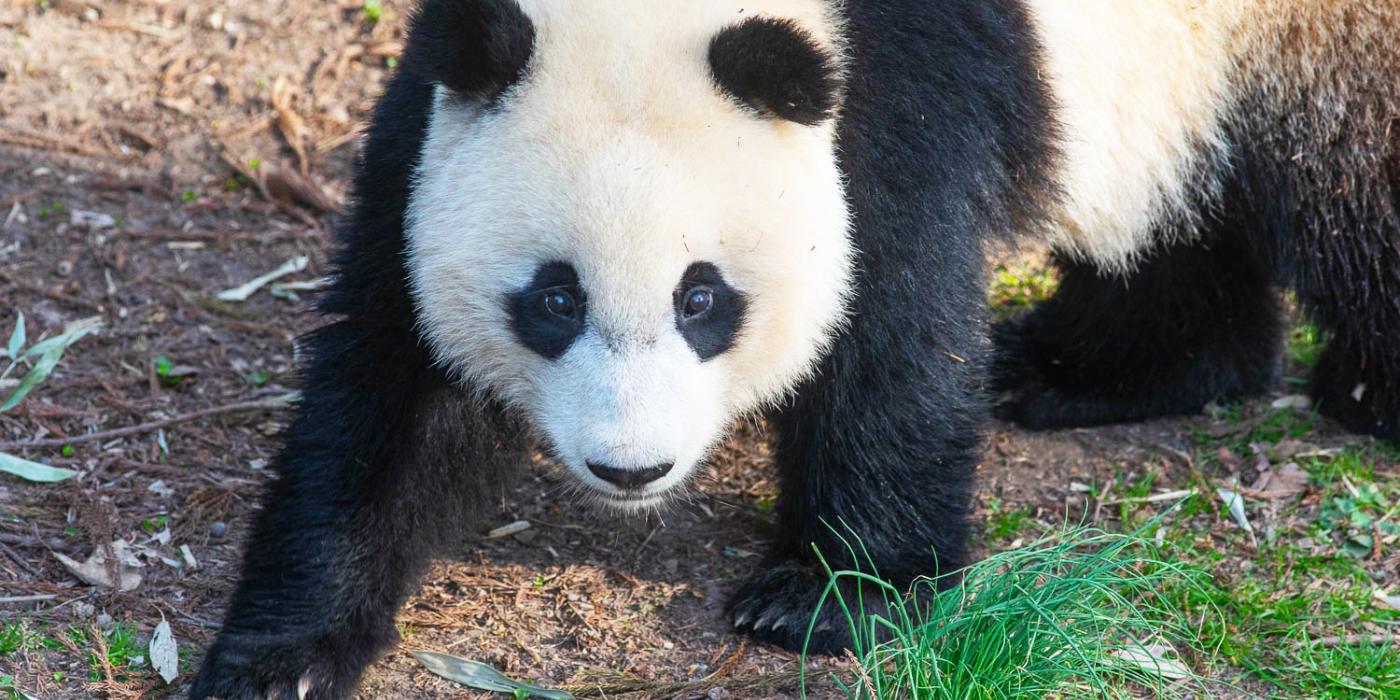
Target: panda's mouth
[(631, 503)]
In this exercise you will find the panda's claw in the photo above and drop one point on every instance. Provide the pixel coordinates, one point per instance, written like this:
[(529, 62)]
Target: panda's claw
[(782, 600)]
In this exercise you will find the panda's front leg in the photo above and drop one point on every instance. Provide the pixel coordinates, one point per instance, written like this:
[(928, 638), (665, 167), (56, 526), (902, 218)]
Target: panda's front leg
[(378, 466), (880, 446)]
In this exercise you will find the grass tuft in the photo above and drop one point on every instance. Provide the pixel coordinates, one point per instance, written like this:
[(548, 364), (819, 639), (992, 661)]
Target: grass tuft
[(1075, 614)]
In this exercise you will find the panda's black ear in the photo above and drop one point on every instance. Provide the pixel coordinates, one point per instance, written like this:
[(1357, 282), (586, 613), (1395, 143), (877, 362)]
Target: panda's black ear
[(778, 69), (477, 48)]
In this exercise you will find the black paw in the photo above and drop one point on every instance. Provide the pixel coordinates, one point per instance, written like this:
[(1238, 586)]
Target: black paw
[(1361, 402), (777, 607), (273, 667)]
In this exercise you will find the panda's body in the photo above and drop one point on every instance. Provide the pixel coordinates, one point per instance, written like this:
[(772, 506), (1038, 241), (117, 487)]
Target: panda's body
[(611, 228)]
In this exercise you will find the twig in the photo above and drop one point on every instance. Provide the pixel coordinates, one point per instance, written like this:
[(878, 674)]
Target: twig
[(1169, 496), (27, 598), (1346, 639), (244, 407), (19, 561), (47, 143)]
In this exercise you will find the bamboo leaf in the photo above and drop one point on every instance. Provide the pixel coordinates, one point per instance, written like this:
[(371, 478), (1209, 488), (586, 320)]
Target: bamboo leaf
[(17, 338), (33, 471), (477, 675)]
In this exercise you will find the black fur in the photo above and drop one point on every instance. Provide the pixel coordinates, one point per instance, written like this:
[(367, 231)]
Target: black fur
[(946, 139), (776, 68), (533, 324), (478, 48), (884, 441), (1307, 203), (385, 453), (714, 331), (384, 460), (1193, 323)]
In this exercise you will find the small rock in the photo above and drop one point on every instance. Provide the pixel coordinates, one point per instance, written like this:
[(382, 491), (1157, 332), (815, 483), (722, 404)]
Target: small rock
[(717, 694), (86, 610), (217, 528), (64, 268), (104, 621)]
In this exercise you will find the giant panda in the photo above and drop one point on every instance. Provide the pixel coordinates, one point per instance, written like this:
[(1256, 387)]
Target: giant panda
[(609, 229)]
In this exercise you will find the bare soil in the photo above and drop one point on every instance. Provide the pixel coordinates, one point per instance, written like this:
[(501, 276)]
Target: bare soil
[(217, 136)]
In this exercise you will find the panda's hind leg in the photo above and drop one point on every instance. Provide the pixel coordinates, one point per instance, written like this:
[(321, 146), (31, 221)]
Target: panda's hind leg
[(1193, 322), (1350, 286)]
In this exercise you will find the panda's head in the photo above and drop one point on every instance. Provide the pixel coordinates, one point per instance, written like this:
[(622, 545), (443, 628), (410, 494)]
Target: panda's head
[(628, 220)]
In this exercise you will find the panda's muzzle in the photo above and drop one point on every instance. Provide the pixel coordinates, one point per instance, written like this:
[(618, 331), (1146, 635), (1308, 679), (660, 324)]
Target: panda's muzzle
[(629, 479)]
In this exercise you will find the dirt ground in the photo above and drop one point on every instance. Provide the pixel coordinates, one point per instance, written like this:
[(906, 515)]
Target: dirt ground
[(154, 153)]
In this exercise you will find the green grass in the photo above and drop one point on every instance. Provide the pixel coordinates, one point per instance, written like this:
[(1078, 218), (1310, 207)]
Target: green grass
[(373, 11), (1016, 288), (1004, 523), (1072, 615), (1306, 343), (1311, 576), (12, 638)]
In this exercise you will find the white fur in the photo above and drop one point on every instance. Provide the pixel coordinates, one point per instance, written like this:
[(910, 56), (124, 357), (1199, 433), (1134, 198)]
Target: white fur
[(1142, 89), (618, 155)]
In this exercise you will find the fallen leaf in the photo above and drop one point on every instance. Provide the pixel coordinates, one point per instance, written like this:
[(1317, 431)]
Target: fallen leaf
[(91, 219), (17, 338), (1235, 503), (477, 675), (292, 126), (1391, 601), (95, 572), (507, 530), (1156, 658), (165, 654), (291, 187), (183, 105), (1295, 402), (33, 471), (1282, 482), (249, 288)]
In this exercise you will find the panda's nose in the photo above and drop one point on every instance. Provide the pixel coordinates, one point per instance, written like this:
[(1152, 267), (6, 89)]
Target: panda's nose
[(629, 478)]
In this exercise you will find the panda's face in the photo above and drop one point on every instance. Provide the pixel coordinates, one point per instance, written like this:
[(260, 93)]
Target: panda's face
[(643, 234)]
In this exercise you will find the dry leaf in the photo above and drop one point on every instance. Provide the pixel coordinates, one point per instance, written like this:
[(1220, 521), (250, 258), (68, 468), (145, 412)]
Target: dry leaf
[(290, 123), (96, 572), (291, 187), (1281, 482), (1235, 502), (248, 289), (1390, 601), (514, 528), (165, 655), (1295, 402), (1156, 658)]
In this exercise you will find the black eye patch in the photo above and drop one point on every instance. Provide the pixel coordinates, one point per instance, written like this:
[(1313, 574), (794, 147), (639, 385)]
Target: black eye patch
[(715, 329), (776, 68), (537, 315)]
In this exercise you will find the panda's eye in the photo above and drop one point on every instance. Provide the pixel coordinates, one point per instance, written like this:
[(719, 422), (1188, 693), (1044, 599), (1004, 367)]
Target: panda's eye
[(560, 303), (698, 300)]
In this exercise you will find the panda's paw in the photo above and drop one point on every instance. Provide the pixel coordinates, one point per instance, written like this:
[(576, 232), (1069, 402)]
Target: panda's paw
[(1357, 401), (263, 667), (776, 607)]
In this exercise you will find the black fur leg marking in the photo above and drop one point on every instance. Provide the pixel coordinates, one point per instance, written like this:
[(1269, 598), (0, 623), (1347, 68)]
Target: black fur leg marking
[(881, 445), (383, 461), (1364, 399), (379, 467), (1193, 324), (260, 666)]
